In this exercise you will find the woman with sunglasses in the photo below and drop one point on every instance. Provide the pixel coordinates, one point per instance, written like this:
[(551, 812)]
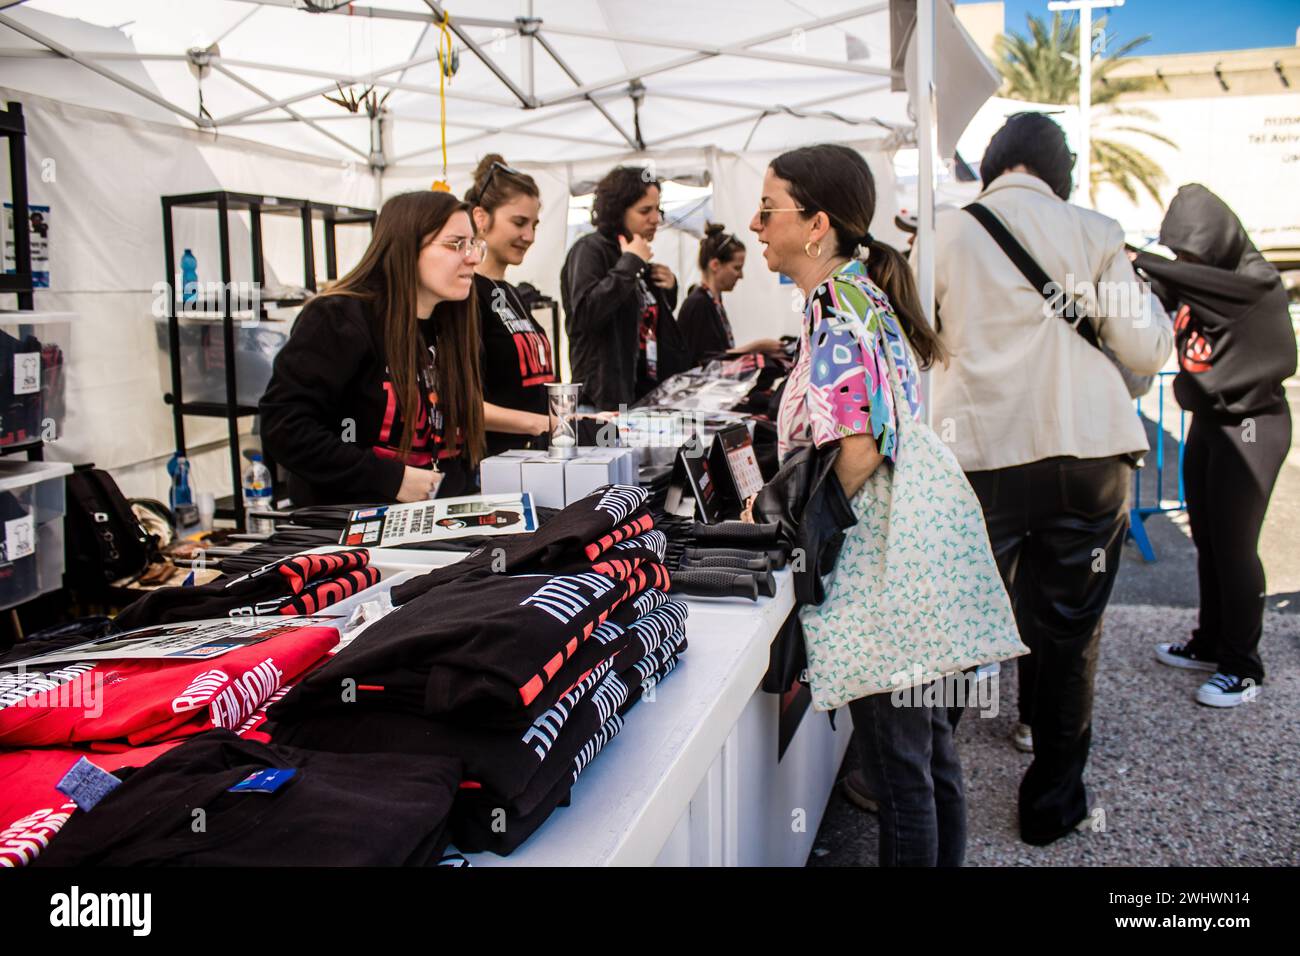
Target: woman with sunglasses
[(702, 317), (516, 352), (618, 306), (863, 323), (376, 397)]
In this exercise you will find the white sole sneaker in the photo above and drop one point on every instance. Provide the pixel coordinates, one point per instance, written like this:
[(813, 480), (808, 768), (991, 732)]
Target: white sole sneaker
[(1164, 656), (1212, 695), (1022, 738)]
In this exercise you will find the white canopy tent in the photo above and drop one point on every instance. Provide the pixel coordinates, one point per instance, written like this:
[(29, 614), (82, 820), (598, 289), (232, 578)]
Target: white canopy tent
[(134, 99)]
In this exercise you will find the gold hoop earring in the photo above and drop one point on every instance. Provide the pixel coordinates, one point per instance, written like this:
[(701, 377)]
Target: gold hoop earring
[(812, 255)]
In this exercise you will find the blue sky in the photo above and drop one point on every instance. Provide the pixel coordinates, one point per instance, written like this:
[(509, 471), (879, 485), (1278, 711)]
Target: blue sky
[(1188, 26)]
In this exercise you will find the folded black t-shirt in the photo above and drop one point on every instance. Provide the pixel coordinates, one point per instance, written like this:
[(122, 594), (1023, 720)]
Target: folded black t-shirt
[(485, 651), (562, 539), (301, 584), (481, 821), (336, 810)]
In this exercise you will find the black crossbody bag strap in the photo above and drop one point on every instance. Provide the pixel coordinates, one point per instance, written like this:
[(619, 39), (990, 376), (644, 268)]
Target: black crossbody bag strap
[(1031, 270)]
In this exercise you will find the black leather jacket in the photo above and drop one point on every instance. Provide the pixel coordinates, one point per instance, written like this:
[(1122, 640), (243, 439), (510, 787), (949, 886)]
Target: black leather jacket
[(602, 315), (807, 502)]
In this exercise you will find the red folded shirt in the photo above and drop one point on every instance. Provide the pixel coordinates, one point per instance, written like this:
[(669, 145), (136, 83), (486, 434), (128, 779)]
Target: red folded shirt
[(128, 702)]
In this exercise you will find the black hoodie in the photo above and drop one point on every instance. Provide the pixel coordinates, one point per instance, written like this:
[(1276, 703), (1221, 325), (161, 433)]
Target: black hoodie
[(1232, 327)]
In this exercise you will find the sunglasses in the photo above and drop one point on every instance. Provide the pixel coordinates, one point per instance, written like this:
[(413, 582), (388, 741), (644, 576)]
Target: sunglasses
[(487, 183), (765, 211)]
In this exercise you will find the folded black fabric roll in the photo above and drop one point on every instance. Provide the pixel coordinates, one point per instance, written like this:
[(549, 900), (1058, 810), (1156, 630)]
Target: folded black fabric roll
[(333, 810)]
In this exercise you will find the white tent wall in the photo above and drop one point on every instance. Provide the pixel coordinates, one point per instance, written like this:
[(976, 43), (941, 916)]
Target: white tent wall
[(103, 175)]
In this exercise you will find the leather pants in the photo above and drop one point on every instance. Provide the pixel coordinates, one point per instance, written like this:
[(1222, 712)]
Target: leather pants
[(1057, 529)]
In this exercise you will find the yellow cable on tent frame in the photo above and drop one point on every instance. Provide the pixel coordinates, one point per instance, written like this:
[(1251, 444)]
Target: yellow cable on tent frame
[(444, 75)]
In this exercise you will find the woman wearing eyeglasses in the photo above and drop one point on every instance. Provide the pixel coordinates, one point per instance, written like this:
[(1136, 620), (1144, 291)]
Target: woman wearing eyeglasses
[(702, 317), (376, 397), (516, 352), (618, 306)]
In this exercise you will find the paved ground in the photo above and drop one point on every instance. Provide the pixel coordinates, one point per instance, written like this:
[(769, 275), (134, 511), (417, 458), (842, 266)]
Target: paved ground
[(1178, 783)]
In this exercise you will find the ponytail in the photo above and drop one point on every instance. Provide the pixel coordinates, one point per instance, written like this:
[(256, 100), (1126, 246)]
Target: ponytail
[(889, 270)]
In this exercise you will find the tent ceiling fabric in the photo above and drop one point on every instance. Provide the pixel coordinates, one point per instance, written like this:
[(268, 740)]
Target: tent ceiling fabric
[(731, 74)]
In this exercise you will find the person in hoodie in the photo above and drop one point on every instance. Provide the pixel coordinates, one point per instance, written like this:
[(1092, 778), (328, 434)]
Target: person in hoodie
[(1235, 348), (618, 305)]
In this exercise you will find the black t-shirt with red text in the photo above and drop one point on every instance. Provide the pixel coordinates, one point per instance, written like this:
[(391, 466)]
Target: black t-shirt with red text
[(516, 353), (332, 418)]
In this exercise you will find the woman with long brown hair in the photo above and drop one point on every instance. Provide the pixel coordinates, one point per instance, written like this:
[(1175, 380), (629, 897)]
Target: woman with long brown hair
[(376, 397), (516, 352)]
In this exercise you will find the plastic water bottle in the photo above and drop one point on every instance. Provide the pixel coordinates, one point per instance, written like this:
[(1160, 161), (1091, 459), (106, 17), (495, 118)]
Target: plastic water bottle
[(257, 495), (180, 496), (189, 277)]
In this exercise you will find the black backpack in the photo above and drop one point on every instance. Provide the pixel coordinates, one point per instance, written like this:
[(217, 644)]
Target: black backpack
[(106, 541)]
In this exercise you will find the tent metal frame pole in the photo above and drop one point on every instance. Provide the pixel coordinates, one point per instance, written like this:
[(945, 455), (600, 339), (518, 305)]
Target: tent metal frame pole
[(759, 114), (817, 24), (600, 107), (373, 78), (517, 129), (927, 139), (93, 67), (307, 121), (383, 13), (528, 102), (739, 49)]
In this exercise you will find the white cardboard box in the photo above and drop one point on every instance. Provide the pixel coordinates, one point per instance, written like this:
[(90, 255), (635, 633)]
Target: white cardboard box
[(544, 479)]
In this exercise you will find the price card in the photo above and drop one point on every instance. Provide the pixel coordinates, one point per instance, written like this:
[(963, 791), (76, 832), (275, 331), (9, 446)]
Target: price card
[(27, 373)]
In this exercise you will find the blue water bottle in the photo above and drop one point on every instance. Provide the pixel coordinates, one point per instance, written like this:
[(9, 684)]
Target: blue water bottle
[(189, 277)]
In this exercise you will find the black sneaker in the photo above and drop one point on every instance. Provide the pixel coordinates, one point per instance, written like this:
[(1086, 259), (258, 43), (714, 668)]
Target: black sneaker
[(1226, 690), (1180, 655)]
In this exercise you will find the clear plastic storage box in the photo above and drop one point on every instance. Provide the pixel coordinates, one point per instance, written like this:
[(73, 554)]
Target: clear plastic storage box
[(203, 357), (33, 376), (32, 504)]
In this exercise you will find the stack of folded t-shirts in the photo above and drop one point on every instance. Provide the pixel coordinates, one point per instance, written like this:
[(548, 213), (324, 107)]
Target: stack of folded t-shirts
[(124, 713), (300, 584), (520, 660)]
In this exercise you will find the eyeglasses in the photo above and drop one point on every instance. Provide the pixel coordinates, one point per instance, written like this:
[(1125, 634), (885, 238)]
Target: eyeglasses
[(466, 247), (765, 211)]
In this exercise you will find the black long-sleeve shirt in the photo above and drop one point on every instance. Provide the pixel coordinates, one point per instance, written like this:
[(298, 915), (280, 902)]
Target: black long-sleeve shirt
[(330, 414), (705, 326)]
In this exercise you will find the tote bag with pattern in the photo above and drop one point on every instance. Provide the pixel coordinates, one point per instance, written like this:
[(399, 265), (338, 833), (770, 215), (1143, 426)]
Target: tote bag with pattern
[(915, 594)]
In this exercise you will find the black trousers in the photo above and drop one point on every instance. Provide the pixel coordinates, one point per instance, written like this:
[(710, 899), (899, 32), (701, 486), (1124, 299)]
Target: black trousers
[(1057, 530), (1229, 468)]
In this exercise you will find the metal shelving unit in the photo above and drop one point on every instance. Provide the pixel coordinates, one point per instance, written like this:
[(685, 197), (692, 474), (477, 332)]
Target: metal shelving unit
[(223, 202)]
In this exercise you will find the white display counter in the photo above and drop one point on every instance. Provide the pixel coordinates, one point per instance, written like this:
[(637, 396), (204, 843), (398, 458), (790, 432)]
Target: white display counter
[(693, 779)]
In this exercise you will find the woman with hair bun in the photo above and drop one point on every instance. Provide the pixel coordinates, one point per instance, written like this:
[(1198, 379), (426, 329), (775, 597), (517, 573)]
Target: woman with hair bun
[(516, 352), (702, 317)]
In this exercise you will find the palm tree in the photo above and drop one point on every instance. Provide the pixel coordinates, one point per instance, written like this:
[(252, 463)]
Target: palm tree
[(1044, 67)]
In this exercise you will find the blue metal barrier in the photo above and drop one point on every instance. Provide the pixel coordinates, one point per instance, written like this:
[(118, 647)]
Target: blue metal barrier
[(1138, 514)]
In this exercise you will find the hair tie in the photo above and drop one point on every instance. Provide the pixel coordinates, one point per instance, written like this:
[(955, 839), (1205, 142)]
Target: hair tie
[(866, 240)]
